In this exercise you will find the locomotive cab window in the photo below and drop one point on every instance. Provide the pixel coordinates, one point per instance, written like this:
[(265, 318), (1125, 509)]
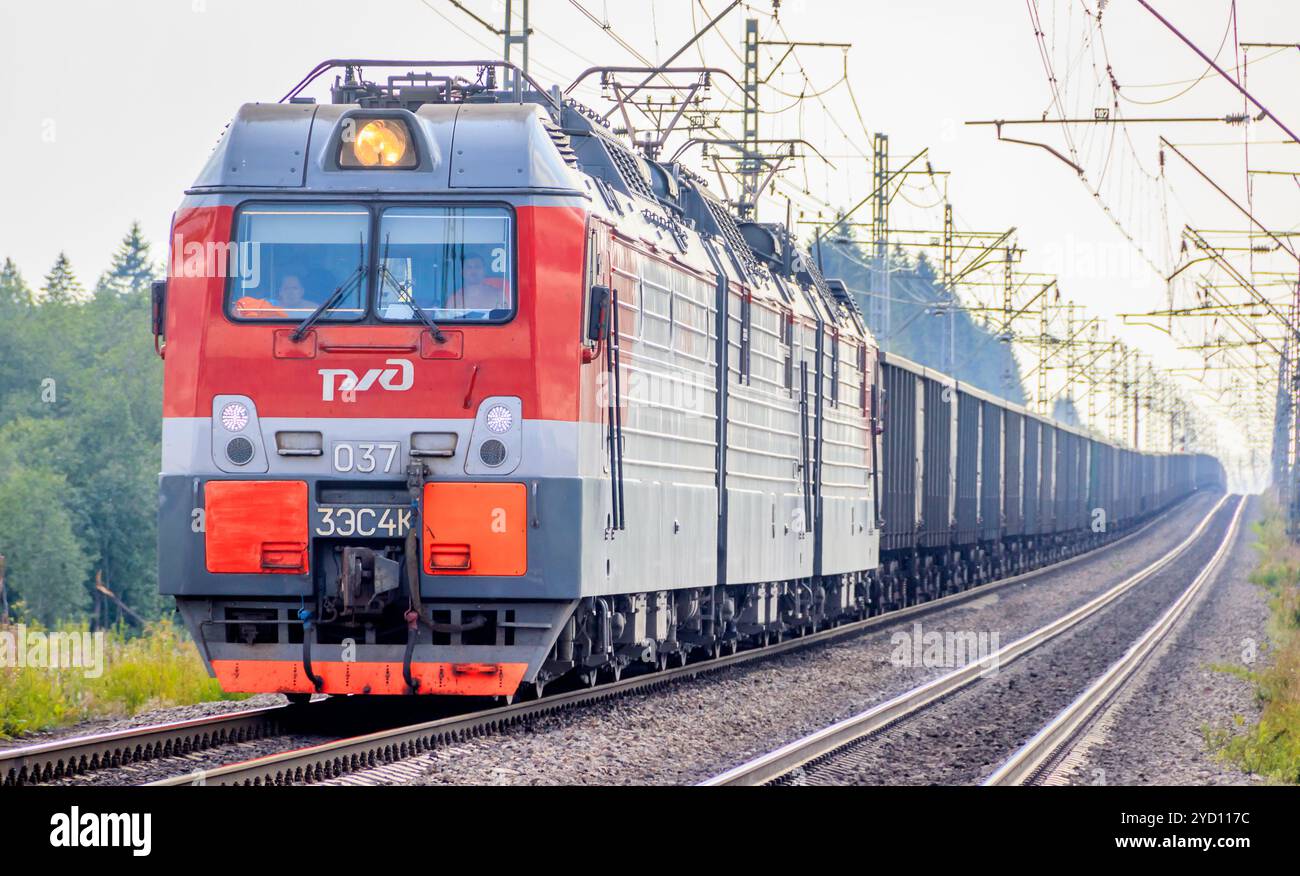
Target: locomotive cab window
[(454, 263), (289, 260)]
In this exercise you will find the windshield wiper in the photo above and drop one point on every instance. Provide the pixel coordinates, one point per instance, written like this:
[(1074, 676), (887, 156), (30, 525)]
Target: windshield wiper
[(405, 297), (327, 303), (333, 298)]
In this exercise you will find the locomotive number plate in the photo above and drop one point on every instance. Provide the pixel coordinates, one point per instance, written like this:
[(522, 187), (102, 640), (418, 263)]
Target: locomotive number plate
[(362, 521), (365, 457)]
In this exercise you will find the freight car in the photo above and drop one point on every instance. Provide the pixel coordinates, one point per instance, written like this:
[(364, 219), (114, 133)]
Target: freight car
[(463, 394), (977, 488)]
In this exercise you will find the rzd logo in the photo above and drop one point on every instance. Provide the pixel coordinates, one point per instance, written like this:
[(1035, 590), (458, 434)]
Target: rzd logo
[(387, 378)]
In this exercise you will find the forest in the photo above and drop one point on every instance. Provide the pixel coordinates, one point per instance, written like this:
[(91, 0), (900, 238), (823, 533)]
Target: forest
[(911, 318), (80, 427)]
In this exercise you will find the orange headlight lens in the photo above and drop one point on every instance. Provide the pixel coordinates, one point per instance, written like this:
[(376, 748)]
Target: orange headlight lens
[(378, 143)]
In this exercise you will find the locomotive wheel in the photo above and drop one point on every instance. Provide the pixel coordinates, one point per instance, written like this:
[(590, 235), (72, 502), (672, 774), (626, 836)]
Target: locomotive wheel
[(298, 700)]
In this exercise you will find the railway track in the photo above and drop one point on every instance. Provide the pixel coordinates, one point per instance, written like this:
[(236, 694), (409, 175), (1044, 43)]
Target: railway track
[(840, 740), (336, 758), (61, 758), (1049, 752)]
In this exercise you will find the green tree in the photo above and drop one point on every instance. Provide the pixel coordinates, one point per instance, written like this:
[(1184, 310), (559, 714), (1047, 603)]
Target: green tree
[(915, 311), (15, 316), (61, 284), (132, 269), (47, 567), (14, 291), (80, 437)]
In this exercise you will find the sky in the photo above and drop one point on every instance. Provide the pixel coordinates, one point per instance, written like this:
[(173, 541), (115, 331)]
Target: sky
[(109, 110)]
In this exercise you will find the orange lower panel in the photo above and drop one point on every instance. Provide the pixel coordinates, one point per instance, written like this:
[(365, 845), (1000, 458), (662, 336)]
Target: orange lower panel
[(287, 676)]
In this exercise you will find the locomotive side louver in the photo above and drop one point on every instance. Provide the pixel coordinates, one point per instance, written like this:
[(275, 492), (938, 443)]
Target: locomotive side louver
[(563, 144)]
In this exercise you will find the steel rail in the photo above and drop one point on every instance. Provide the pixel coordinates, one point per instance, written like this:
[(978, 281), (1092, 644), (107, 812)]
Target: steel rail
[(59, 758), (774, 764), (330, 759), (1031, 761)]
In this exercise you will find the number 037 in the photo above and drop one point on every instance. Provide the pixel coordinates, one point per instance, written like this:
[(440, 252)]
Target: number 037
[(365, 457)]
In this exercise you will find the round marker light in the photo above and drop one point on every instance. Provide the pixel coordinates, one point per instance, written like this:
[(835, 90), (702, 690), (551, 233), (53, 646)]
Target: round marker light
[(493, 452), (239, 450), (381, 143), (234, 417), (499, 419)]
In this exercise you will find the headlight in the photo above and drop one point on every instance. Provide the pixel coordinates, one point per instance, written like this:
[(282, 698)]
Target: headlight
[(379, 143), (499, 419), (234, 417), (240, 450)]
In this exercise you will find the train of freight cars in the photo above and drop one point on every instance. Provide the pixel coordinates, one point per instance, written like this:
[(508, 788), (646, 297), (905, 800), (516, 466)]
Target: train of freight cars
[(463, 395)]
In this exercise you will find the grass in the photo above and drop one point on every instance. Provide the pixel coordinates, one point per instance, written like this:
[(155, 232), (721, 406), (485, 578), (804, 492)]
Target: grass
[(156, 668), (1270, 746)]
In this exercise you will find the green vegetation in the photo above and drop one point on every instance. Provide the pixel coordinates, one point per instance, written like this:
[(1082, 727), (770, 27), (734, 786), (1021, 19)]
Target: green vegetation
[(80, 437), (155, 667), (80, 430), (1271, 746)]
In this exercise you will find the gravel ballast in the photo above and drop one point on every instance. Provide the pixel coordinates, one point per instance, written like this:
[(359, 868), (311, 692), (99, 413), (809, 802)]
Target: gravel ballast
[(967, 736), (697, 728), (1155, 731)]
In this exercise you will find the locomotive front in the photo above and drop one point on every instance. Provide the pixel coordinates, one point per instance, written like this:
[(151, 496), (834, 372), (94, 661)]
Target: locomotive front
[(372, 350)]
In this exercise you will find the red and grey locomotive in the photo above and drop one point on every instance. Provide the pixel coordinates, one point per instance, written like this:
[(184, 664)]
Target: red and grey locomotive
[(462, 395)]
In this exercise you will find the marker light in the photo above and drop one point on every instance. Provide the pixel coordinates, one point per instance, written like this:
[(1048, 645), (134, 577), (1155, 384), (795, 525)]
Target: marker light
[(234, 416), (377, 143), (499, 419)]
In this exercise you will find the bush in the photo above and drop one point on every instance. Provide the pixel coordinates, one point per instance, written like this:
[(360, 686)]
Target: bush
[(1271, 746), (155, 669)]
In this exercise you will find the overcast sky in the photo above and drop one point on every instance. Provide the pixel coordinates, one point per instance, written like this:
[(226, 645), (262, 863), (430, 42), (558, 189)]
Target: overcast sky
[(108, 110)]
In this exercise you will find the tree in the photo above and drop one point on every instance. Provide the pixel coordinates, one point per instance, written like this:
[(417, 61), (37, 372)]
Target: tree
[(131, 270), (80, 438), (16, 314), (46, 567), (61, 284), (916, 298), (14, 290), (1064, 411)]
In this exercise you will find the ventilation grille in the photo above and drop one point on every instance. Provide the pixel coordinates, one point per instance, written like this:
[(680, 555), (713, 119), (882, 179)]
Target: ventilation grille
[(629, 168), (731, 233), (815, 274), (562, 142)]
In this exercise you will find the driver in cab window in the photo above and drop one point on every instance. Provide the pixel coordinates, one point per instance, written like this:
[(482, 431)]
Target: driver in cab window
[(290, 300), (478, 291)]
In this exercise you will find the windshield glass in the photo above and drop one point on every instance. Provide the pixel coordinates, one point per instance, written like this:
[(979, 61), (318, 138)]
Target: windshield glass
[(297, 257), (455, 263)]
